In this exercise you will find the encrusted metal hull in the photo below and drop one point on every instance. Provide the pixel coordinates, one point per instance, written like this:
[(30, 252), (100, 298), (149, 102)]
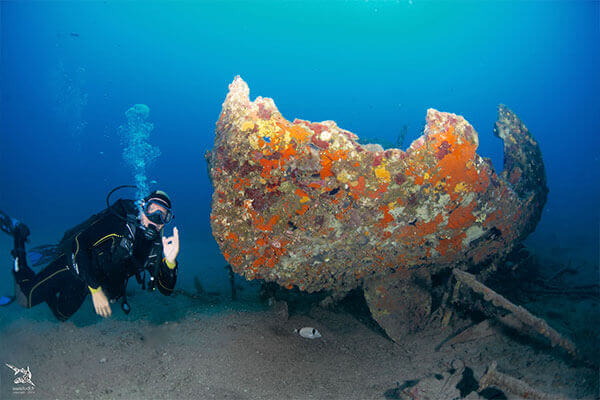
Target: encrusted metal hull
[(303, 204)]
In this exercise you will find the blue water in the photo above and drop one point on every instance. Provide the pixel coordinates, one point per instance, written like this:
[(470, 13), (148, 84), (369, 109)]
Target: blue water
[(70, 71)]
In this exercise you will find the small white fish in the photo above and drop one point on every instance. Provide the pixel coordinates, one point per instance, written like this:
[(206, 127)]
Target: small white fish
[(308, 332)]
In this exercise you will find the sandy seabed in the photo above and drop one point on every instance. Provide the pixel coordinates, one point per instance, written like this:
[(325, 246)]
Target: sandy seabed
[(184, 348), (214, 348)]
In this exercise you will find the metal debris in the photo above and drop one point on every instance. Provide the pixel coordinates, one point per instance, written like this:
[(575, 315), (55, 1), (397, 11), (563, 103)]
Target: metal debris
[(512, 385)]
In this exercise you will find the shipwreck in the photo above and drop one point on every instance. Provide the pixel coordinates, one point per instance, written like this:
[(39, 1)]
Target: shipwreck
[(305, 205)]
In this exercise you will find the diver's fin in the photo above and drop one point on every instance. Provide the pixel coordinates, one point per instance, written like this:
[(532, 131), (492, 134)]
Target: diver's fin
[(7, 224), (41, 255), (13, 226), (6, 300)]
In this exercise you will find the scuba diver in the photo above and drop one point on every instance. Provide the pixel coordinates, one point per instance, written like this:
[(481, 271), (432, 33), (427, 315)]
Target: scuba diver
[(98, 257)]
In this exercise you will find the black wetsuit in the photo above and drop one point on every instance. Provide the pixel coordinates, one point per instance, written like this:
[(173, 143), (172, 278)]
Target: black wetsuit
[(105, 254)]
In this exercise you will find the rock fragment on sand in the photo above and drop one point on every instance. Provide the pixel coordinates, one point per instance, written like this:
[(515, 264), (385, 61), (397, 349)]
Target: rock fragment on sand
[(280, 309)]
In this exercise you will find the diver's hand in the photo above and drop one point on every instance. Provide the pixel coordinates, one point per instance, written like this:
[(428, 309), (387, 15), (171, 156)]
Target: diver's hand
[(171, 246), (101, 304)]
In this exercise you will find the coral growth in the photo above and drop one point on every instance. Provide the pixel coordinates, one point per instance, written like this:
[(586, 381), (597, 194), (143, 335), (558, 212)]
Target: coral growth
[(303, 203)]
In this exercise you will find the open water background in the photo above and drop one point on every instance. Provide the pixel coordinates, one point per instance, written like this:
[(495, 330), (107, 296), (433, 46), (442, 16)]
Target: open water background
[(70, 70)]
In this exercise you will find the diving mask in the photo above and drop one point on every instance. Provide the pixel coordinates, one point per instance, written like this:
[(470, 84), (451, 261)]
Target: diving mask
[(160, 216)]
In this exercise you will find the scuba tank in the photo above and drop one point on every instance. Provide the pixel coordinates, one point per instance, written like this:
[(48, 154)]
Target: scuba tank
[(65, 244)]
